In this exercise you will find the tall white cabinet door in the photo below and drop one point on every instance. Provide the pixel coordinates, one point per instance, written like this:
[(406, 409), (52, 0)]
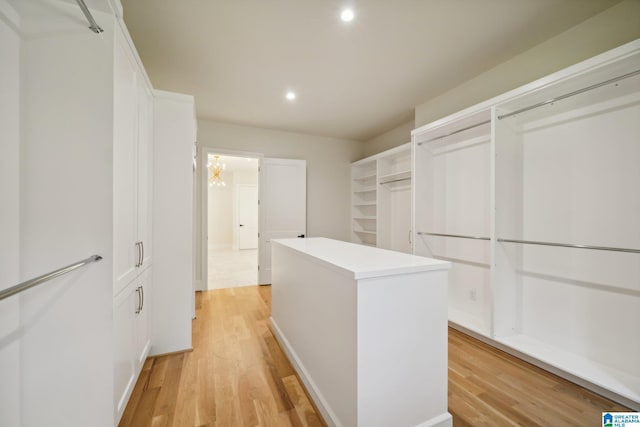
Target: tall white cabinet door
[(126, 252), (143, 318), (283, 206), (124, 316), (145, 173)]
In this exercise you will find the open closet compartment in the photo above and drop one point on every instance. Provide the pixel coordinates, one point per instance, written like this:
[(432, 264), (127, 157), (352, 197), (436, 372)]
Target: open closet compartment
[(363, 202), (394, 199), (534, 196), (381, 200), (452, 220), (568, 173)]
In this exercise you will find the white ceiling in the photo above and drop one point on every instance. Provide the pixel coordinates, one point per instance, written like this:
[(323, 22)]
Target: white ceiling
[(354, 81)]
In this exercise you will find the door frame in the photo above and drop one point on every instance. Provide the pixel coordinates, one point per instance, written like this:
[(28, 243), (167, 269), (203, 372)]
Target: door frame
[(202, 284)]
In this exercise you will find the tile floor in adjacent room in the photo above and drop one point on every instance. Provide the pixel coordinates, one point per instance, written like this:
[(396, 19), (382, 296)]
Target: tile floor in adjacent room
[(230, 268)]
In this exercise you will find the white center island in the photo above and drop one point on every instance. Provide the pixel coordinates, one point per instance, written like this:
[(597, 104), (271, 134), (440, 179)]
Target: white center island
[(366, 330)]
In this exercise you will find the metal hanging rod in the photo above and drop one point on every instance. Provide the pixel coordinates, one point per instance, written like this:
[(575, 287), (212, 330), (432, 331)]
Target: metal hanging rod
[(93, 25), (564, 245), (570, 94), (455, 132), (459, 236), (41, 279)]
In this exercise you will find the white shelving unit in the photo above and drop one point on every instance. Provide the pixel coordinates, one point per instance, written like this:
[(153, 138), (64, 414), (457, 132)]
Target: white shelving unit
[(364, 202), (534, 197), (381, 200)]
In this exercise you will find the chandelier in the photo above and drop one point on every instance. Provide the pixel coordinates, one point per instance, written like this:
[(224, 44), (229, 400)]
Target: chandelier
[(215, 169)]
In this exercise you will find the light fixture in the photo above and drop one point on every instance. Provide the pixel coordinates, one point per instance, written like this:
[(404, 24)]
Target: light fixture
[(291, 95), (215, 169), (347, 15)]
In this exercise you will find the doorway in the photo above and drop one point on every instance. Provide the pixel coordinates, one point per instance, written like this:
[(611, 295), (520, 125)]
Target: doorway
[(232, 221)]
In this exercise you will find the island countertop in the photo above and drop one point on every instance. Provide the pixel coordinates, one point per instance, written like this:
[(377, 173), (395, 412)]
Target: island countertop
[(359, 261)]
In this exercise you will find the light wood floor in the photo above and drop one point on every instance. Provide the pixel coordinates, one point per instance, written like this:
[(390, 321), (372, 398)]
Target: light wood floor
[(237, 375)]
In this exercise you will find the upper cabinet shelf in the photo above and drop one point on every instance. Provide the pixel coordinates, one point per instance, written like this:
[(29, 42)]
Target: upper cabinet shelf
[(364, 178), (365, 190), (395, 177)]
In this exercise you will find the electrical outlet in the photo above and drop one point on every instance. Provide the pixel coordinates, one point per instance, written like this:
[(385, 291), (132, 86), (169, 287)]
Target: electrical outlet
[(472, 295)]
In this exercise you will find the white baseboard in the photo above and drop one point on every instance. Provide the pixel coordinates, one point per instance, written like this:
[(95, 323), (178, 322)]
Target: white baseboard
[(442, 420), (322, 405)]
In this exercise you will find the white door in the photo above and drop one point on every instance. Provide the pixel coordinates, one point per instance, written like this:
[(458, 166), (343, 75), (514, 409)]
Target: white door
[(247, 216), (283, 206)]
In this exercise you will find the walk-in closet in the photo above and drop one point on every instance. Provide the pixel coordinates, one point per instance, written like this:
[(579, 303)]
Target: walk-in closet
[(534, 196)]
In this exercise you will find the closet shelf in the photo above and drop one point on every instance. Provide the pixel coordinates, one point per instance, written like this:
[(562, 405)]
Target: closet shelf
[(569, 95), (365, 177), (368, 218), (359, 205), (395, 177), (468, 321), (457, 131), (370, 233), (365, 190), (625, 384)]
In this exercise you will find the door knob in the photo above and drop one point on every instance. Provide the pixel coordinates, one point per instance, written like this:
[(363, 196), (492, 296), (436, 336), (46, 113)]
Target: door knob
[(301, 236)]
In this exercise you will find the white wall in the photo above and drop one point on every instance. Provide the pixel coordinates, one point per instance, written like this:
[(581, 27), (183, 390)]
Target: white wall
[(66, 214), (390, 139), (10, 365), (328, 169), (611, 28), (220, 221)]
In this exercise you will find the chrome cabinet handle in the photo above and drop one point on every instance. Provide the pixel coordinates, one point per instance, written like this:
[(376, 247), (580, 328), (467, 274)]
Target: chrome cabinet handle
[(138, 261), (138, 307), (142, 257), (142, 292)]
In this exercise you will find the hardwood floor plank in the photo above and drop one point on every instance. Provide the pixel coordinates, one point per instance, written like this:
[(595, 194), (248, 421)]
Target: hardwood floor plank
[(237, 375), (306, 412), (143, 413)]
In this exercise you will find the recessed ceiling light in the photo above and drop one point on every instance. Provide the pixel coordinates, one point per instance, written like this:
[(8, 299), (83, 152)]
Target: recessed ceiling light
[(291, 95), (347, 15)]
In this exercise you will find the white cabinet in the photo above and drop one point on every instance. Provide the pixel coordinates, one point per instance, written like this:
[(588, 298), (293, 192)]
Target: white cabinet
[(381, 200), (143, 317), (132, 336), (533, 196), (364, 202), (133, 180), (86, 124), (175, 133), (133, 150), (145, 174), (124, 316)]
